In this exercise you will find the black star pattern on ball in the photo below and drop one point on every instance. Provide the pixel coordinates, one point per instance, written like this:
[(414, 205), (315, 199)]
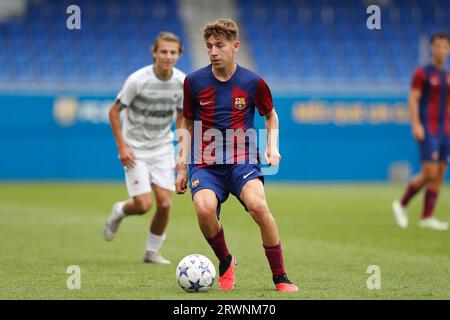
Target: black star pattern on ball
[(195, 285)]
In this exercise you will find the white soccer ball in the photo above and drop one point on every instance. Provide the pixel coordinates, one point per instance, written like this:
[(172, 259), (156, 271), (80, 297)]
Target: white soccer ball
[(195, 273)]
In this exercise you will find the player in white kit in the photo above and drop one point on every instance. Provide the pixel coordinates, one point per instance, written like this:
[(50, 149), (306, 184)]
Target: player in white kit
[(151, 98)]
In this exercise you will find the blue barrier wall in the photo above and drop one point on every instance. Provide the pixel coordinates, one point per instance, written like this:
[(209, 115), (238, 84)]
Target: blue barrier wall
[(323, 138)]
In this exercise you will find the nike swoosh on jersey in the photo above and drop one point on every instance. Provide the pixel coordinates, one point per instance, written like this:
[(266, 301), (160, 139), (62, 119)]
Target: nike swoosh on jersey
[(202, 103)]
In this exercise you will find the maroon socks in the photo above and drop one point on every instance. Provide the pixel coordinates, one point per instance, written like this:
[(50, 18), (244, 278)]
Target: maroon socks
[(219, 246), (275, 256), (410, 192), (429, 203)]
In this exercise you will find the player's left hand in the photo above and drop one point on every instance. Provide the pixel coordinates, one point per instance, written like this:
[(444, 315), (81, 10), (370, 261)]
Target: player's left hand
[(272, 156), (181, 182)]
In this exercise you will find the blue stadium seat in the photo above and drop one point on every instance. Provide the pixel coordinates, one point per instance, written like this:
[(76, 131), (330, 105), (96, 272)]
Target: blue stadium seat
[(343, 48), (113, 41), (288, 39)]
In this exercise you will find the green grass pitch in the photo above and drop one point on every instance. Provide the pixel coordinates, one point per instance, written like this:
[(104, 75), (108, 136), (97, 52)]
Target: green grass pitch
[(330, 235)]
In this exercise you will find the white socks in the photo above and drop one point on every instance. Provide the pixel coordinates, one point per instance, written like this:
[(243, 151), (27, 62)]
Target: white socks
[(119, 210), (155, 242)]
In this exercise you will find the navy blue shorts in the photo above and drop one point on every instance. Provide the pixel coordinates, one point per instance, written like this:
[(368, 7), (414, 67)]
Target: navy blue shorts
[(435, 148), (223, 179)]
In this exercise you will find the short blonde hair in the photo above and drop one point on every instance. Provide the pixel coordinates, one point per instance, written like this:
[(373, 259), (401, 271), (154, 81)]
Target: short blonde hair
[(222, 27), (167, 36)]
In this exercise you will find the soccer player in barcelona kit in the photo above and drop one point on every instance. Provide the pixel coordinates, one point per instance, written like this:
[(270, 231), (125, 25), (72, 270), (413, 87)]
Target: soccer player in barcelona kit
[(150, 99), (429, 103), (223, 97)]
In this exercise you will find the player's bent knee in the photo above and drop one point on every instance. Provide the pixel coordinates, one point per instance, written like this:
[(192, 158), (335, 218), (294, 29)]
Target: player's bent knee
[(205, 211), (434, 185), (433, 177), (432, 174), (205, 205), (264, 220), (142, 206), (260, 212), (258, 207), (165, 205)]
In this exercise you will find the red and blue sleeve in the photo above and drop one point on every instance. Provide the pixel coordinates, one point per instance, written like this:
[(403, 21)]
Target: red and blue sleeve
[(263, 98), (188, 103), (418, 79)]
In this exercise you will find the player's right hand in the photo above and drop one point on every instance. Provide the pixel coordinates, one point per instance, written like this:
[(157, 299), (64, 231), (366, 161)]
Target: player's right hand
[(418, 132), (181, 183), (127, 157)]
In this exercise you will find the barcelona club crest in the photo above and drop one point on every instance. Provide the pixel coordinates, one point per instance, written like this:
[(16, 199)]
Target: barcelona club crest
[(239, 103), (195, 183)]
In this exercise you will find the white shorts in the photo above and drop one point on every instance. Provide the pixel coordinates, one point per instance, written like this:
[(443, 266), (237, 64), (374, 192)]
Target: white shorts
[(159, 170)]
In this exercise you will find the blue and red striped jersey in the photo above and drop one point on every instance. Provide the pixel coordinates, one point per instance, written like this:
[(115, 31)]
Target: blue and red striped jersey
[(434, 83), (225, 110)]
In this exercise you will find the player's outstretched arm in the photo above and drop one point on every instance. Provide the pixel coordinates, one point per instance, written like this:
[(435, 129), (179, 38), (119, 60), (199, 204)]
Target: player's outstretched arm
[(125, 153), (184, 137), (272, 153), (418, 131)]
